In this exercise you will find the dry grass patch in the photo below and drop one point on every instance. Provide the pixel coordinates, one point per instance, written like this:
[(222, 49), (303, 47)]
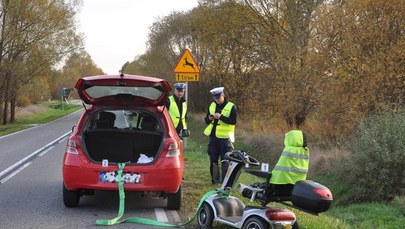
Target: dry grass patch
[(31, 109)]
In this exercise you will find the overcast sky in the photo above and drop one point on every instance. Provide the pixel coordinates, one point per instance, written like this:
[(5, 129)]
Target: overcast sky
[(117, 30)]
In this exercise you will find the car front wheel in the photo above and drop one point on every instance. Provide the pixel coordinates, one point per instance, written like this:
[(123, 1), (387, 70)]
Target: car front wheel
[(70, 198)]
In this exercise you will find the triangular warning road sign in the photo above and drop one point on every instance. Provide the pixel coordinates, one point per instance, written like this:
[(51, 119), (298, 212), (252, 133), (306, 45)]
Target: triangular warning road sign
[(186, 63)]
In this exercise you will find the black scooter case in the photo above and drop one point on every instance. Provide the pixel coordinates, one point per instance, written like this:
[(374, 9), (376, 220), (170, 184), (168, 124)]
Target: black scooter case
[(311, 196)]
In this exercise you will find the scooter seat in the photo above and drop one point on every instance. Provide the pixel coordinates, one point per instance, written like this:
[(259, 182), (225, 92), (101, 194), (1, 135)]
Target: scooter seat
[(259, 173)]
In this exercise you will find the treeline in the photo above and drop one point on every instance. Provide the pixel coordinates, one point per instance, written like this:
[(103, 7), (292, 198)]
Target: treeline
[(37, 38), (335, 62)]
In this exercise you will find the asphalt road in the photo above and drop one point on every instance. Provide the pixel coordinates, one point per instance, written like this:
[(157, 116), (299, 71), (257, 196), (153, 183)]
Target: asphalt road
[(31, 185)]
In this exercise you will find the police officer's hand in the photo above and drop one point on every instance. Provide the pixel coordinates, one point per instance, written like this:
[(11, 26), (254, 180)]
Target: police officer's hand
[(217, 115)]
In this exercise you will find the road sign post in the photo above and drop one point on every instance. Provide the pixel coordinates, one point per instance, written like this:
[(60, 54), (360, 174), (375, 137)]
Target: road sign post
[(186, 70)]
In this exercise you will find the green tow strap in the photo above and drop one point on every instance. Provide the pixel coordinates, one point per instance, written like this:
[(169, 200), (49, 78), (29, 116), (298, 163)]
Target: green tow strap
[(116, 220), (122, 200)]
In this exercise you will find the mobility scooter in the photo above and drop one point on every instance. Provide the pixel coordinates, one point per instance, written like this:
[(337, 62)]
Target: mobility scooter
[(307, 196)]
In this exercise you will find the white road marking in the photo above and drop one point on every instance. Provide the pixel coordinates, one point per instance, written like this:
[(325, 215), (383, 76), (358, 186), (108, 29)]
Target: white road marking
[(46, 151), (15, 172), (161, 215), (25, 159)]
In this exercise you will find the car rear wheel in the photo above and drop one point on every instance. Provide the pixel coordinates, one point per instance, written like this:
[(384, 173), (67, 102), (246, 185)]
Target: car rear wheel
[(70, 198), (174, 200)]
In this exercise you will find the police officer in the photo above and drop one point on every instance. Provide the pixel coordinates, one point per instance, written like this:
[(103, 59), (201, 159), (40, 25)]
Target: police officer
[(292, 165), (221, 120), (177, 107)]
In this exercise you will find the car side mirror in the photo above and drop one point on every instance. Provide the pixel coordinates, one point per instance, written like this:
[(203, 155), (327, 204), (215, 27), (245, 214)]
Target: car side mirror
[(184, 133)]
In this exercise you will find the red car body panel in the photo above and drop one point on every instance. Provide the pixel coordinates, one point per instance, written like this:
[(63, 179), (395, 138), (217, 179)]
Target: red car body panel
[(163, 174)]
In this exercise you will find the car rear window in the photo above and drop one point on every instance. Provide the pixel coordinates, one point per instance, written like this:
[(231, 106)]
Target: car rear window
[(145, 92), (124, 119)]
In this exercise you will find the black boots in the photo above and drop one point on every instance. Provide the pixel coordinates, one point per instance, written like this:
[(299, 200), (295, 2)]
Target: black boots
[(214, 171)]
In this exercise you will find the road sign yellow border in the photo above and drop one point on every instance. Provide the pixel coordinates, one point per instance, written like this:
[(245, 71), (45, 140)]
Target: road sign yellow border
[(186, 64)]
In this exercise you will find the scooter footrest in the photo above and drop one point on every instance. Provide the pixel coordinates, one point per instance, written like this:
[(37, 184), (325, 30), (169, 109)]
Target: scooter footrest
[(250, 191), (259, 185)]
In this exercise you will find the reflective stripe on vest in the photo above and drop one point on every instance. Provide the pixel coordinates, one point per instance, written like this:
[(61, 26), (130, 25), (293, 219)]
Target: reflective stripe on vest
[(222, 129), (175, 113), (291, 167), (295, 155)]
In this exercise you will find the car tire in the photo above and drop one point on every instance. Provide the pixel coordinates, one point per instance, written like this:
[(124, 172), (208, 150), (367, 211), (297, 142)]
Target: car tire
[(70, 198), (205, 216), (174, 200), (296, 225), (255, 222)]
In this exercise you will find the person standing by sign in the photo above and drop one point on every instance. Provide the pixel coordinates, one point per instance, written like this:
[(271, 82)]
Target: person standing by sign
[(177, 107), (221, 120)]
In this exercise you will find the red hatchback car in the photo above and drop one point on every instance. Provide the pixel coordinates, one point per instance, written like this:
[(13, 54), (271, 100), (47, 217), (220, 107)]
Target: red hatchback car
[(125, 120)]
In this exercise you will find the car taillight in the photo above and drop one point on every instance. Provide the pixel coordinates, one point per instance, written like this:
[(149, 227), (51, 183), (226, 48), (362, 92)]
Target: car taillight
[(71, 147), (277, 214), (325, 193), (173, 150)]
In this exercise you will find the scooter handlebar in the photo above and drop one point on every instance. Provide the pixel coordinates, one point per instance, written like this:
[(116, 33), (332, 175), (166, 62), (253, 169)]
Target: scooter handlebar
[(241, 157), (236, 156), (252, 161)]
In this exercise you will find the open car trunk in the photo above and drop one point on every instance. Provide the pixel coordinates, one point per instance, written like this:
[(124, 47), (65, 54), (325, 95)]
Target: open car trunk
[(131, 137)]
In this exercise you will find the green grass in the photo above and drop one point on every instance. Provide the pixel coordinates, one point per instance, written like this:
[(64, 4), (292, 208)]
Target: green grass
[(197, 182), (340, 216), (372, 215), (53, 112)]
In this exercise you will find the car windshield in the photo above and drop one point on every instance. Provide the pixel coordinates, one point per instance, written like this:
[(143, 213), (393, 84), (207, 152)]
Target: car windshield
[(102, 91)]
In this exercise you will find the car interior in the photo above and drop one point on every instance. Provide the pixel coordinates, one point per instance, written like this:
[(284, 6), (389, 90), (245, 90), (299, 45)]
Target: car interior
[(105, 120), (122, 136)]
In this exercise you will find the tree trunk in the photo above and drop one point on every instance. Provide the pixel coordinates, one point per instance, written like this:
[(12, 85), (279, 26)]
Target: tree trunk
[(2, 90), (12, 109), (6, 98)]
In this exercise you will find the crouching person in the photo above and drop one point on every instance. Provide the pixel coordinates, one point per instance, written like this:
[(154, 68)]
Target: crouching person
[(292, 165)]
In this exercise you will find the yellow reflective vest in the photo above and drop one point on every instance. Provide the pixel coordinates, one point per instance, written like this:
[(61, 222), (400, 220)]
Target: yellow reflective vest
[(222, 129), (293, 163), (175, 113)]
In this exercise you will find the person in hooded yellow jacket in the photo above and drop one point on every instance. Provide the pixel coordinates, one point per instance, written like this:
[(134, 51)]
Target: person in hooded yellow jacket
[(292, 165)]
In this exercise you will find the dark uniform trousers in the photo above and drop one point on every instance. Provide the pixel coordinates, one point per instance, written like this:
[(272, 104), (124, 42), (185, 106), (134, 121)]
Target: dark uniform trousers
[(217, 147)]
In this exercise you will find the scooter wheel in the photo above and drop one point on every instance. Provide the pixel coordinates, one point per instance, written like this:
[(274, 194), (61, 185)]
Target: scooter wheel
[(205, 216), (255, 222)]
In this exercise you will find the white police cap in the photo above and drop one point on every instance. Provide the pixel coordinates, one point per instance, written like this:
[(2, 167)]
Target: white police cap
[(216, 92), (180, 86)]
